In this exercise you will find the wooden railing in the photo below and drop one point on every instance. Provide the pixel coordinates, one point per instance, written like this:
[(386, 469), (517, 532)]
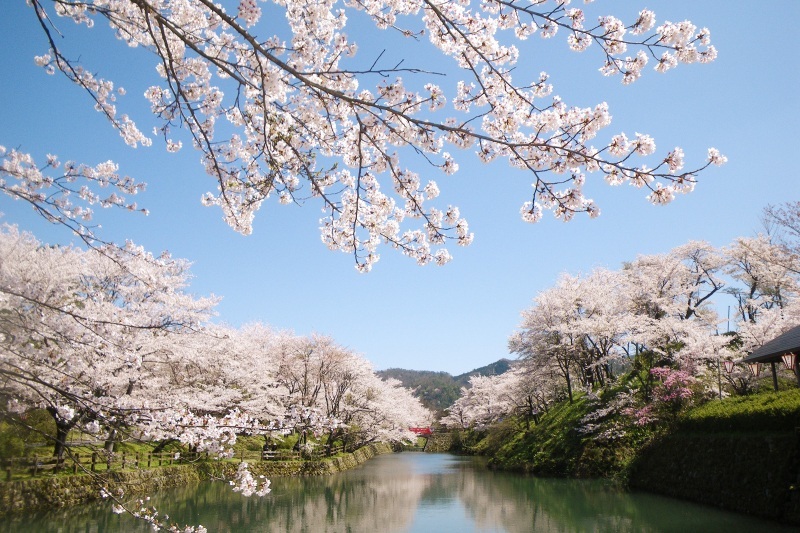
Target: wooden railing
[(319, 452), (100, 461), (93, 462)]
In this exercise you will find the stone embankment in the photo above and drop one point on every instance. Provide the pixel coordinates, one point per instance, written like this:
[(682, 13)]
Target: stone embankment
[(756, 473), (439, 443), (61, 491)]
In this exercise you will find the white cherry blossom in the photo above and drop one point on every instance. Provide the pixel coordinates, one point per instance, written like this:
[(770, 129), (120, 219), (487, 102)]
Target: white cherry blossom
[(301, 113)]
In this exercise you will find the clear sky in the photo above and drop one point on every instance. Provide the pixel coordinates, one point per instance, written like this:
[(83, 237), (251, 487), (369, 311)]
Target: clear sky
[(457, 317)]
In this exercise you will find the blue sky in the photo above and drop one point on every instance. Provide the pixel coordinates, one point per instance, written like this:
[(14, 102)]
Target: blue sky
[(456, 317)]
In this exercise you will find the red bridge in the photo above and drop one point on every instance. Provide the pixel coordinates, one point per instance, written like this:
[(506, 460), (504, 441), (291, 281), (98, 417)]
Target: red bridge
[(423, 432)]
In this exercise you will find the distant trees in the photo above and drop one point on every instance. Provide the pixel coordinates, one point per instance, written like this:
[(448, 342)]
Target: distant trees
[(652, 323), (526, 391), (439, 390), (436, 390), (332, 384)]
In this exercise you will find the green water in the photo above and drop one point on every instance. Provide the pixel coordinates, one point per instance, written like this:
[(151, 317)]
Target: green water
[(412, 492)]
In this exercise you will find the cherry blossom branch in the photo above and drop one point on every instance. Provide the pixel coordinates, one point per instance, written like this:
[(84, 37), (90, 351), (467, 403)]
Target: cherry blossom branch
[(299, 106)]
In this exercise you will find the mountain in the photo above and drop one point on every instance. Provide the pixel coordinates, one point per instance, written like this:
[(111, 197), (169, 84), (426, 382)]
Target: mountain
[(494, 369), (439, 390)]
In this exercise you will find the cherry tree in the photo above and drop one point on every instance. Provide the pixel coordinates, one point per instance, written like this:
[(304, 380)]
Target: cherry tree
[(539, 338), (382, 410), (599, 321), (211, 373), (784, 221), (460, 415), (251, 363), (339, 391), (528, 390), (764, 273), (576, 327), (677, 284), (766, 276), (669, 303), (481, 403), (308, 368), (88, 335), (297, 112), (78, 325)]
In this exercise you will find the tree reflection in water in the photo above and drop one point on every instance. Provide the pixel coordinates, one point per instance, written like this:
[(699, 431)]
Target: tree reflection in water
[(410, 492)]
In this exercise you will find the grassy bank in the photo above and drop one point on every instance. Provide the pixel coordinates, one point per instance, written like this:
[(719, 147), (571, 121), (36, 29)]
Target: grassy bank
[(64, 490), (557, 447), (740, 453)]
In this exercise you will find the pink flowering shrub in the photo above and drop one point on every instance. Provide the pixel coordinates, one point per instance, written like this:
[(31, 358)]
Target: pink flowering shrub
[(672, 392), (674, 386)]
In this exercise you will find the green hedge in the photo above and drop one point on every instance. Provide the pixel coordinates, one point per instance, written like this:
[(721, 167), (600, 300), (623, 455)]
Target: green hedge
[(752, 472), (770, 411)]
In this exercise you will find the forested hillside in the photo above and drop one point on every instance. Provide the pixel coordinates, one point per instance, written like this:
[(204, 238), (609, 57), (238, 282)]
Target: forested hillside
[(439, 390)]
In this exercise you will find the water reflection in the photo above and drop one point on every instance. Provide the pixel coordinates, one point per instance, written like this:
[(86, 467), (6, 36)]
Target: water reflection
[(411, 492)]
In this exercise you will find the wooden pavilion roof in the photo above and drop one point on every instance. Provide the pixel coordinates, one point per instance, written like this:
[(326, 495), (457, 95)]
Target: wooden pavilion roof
[(773, 350)]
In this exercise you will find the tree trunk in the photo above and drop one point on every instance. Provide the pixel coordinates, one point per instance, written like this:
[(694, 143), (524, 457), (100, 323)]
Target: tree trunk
[(110, 441), (569, 385), (62, 431)]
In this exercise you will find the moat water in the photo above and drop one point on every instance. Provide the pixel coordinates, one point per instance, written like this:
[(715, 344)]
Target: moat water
[(409, 492)]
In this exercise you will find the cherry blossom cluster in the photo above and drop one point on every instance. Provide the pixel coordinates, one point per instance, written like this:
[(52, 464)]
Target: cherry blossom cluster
[(600, 423), (245, 483), (674, 384), (64, 193), (142, 510), (331, 389), (203, 433), (101, 90), (303, 118), (673, 389)]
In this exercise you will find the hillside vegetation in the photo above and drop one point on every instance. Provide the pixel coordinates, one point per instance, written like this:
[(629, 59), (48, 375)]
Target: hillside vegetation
[(740, 453), (439, 390)]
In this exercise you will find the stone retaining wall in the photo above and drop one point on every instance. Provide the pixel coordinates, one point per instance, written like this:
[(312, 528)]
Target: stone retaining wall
[(439, 443)]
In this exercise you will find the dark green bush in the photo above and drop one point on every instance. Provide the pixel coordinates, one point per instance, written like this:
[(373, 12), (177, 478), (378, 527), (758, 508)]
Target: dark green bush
[(766, 411)]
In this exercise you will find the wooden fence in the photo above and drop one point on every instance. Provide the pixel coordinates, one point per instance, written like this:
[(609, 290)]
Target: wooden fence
[(93, 462), (100, 461)]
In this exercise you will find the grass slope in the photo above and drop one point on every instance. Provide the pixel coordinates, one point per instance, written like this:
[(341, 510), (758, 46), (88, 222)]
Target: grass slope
[(557, 447), (740, 453)]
